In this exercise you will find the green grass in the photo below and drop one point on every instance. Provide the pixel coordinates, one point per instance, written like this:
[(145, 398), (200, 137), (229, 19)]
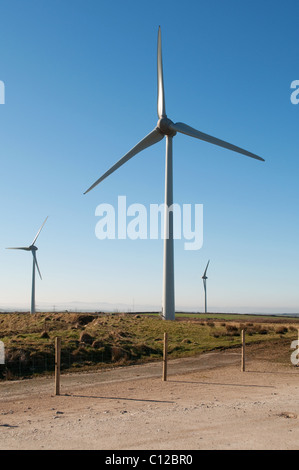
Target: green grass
[(122, 339), (234, 316)]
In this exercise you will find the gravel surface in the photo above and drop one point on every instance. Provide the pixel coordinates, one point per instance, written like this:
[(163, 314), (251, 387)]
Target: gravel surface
[(206, 403)]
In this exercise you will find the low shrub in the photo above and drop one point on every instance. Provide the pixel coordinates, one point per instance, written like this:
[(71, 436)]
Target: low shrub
[(281, 330), (86, 338)]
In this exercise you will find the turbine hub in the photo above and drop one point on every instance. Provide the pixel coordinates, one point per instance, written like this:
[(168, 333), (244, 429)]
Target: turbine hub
[(164, 126), (33, 248)]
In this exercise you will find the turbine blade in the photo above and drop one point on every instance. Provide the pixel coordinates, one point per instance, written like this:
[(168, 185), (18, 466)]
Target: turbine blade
[(161, 97), (19, 248), (184, 129), (206, 269), (151, 139), (36, 264), (39, 231)]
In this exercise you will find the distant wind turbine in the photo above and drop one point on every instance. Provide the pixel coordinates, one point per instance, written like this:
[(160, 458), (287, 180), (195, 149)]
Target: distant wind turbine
[(33, 250), (204, 278), (165, 127)]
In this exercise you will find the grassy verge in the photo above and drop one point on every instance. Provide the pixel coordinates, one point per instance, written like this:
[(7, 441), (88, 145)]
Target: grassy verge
[(106, 340)]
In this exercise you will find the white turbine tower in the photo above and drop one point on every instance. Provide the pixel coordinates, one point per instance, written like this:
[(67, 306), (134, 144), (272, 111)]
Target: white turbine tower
[(204, 278), (33, 250), (166, 128)]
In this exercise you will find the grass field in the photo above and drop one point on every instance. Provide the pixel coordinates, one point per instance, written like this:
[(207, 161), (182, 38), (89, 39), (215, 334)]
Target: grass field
[(106, 340)]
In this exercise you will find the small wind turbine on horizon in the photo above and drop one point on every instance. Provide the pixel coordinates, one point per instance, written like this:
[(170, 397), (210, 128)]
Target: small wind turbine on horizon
[(166, 128), (33, 250), (204, 278)]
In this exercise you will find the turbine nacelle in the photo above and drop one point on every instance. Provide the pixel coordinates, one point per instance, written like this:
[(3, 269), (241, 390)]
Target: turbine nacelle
[(164, 125), (33, 248)]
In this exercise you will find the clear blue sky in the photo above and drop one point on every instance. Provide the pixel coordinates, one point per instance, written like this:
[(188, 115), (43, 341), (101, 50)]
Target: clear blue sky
[(81, 83)]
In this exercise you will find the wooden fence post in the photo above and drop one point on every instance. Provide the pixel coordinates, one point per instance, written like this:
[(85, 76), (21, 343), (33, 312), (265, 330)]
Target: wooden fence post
[(165, 347), (243, 352), (57, 365)]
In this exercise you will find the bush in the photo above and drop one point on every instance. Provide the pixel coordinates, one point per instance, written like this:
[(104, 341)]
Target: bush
[(86, 338), (44, 335), (282, 330), (256, 329), (232, 330), (263, 331), (85, 319), (117, 353), (97, 344)]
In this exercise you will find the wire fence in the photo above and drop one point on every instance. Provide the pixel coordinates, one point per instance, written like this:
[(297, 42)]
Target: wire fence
[(40, 358)]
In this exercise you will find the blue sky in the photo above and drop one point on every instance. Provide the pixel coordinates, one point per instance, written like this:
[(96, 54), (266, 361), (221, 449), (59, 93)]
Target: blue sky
[(80, 91)]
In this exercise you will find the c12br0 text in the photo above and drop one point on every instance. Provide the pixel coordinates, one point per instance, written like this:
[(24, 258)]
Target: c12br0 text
[(170, 459), (155, 459)]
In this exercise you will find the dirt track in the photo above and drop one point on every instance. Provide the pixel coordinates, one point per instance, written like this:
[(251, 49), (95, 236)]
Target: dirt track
[(206, 403)]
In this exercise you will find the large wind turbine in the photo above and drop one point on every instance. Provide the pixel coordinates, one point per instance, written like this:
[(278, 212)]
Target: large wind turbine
[(204, 278), (166, 128), (33, 250)]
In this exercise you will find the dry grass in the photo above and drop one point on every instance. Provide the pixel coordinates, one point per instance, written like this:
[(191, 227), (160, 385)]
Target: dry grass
[(105, 340)]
